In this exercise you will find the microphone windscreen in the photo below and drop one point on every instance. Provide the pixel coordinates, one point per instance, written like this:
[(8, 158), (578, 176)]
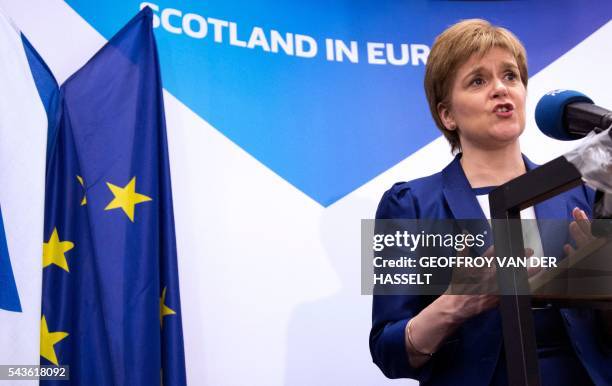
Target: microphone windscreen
[(550, 110)]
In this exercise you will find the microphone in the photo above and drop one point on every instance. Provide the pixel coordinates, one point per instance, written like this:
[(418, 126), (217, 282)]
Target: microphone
[(567, 115)]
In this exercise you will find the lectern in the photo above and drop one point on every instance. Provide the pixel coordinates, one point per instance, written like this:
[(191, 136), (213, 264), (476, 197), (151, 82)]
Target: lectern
[(506, 202)]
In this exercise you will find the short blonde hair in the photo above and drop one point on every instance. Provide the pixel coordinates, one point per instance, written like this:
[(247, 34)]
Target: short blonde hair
[(455, 46)]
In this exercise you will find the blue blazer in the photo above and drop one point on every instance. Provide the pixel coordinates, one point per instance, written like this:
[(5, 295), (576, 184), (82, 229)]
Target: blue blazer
[(470, 355)]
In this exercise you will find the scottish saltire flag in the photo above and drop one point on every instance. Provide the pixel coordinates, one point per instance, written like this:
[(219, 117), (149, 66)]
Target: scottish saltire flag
[(111, 307), (28, 97)]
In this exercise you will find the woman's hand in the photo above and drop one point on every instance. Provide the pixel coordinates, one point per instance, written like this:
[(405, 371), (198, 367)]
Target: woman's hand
[(580, 231), (471, 292), (474, 290)]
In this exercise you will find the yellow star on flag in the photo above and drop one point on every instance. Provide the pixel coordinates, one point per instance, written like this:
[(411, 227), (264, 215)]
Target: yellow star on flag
[(84, 200), (164, 310), (54, 250), (126, 198), (48, 340)]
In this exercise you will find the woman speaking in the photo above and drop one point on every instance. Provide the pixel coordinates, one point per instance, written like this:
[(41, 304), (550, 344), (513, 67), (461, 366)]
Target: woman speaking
[(476, 86)]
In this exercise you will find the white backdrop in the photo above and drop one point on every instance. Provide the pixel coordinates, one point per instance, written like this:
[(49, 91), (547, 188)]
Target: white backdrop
[(270, 279)]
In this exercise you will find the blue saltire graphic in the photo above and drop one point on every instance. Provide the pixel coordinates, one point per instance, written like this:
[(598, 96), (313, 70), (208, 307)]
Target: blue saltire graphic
[(329, 127)]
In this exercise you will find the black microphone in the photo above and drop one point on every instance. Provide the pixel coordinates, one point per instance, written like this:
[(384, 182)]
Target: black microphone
[(567, 115)]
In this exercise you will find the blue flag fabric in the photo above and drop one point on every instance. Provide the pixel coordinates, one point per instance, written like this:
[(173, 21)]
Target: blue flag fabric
[(9, 297), (111, 307), (28, 106)]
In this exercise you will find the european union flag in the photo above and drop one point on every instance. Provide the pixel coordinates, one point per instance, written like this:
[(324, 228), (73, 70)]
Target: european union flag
[(111, 308)]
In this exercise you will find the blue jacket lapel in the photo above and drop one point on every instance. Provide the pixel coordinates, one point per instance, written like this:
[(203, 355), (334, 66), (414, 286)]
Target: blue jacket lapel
[(463, 204), (458, 192)]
